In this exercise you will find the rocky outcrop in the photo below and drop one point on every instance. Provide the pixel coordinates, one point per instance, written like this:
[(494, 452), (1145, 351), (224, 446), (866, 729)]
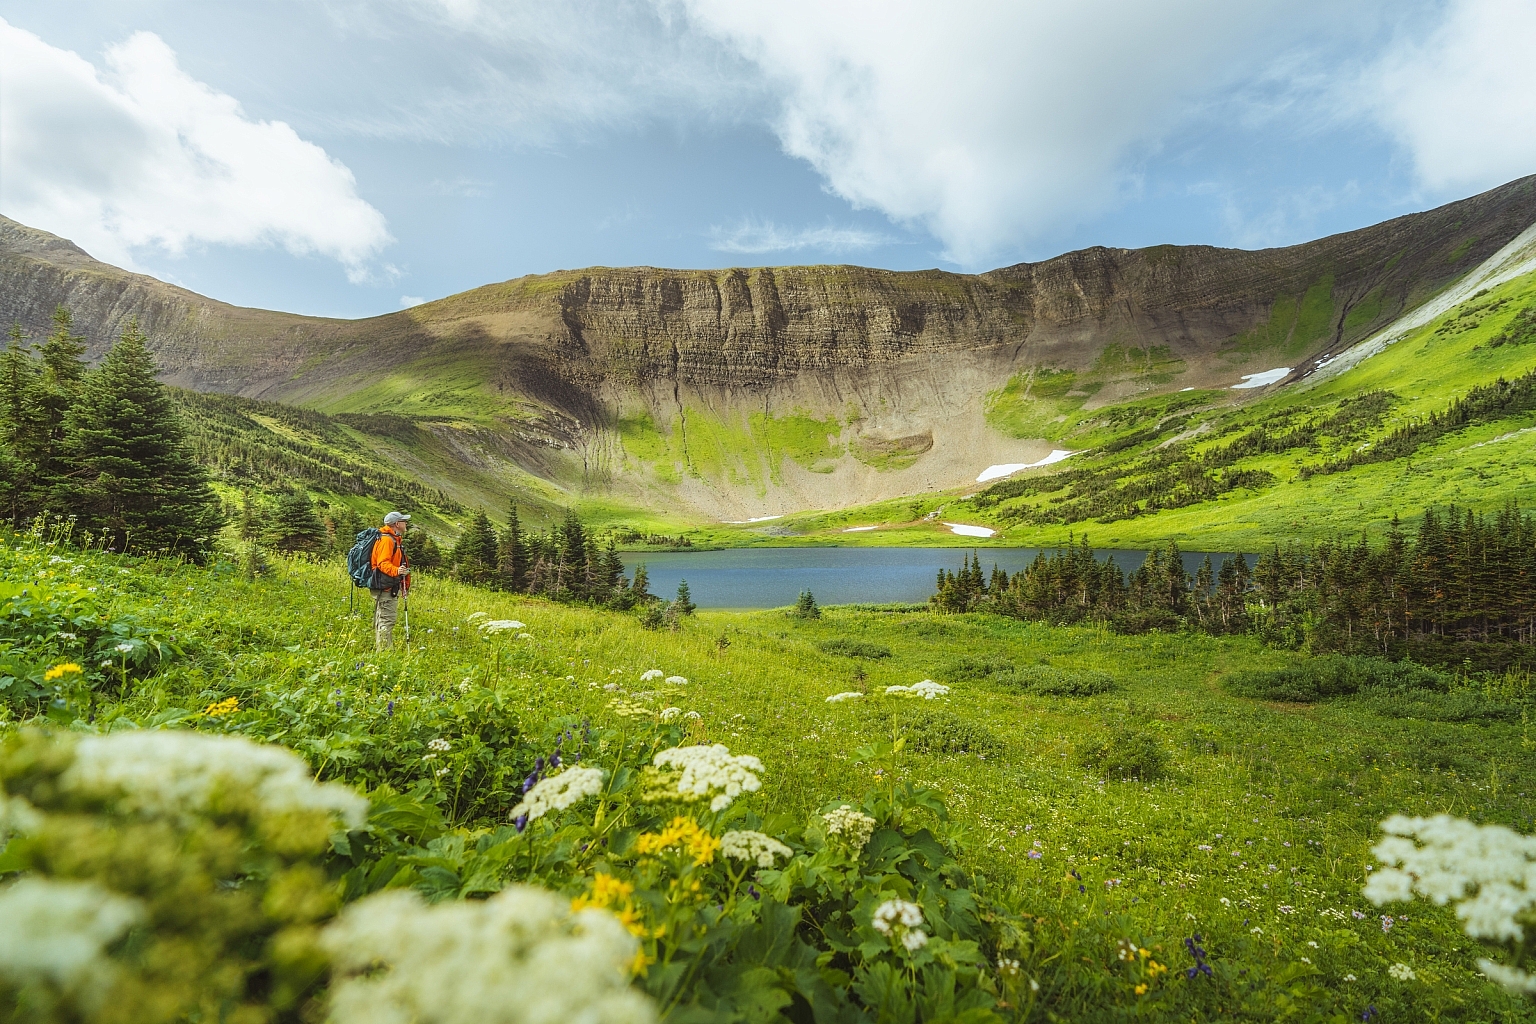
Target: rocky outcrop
[(559, 357)]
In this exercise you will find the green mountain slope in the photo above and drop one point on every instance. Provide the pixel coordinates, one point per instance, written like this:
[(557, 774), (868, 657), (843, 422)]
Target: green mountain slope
[(679, 399)]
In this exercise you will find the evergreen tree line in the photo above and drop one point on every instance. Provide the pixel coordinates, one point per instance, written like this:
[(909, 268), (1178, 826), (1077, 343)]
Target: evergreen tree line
[(1177, 476), (104, 447), (564, 564), (235, 447), (1462, 589), (1484, 403)]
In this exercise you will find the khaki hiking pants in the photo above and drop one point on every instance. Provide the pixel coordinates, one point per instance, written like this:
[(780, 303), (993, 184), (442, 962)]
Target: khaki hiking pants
[(385, 607)]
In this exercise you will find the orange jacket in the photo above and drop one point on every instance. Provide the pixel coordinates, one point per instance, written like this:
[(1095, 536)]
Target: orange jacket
[(388, 553)]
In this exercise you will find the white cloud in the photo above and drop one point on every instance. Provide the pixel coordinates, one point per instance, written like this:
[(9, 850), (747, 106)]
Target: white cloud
[(407, 301), (145, 157), (750, 237), (994, 123), (1462, 97)]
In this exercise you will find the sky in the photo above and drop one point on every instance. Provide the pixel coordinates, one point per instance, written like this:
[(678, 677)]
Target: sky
[(352, 157)]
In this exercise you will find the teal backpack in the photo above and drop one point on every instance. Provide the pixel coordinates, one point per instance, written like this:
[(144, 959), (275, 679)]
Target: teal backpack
[(360, 558)]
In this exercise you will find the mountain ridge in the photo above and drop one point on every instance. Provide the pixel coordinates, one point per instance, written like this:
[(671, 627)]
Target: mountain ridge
[(709, 387)]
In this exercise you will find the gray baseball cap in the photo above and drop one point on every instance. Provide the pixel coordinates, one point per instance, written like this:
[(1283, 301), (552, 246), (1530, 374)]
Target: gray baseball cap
[(396, 517)]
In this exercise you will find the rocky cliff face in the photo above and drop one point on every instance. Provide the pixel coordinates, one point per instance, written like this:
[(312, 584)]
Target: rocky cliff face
[(562, 359)]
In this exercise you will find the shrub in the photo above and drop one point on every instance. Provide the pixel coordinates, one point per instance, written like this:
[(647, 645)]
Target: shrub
[(1459, 705), (970, 668), (854, 648), (1125, 753), (1055, 682), (1333, 676), (933, 731)]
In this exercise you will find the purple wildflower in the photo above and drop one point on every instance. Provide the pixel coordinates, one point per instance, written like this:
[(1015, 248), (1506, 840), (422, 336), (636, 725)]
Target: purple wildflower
[(1198, 952)]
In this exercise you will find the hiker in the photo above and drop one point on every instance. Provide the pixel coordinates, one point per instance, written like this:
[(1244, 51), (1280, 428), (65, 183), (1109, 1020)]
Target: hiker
[(389, 572)]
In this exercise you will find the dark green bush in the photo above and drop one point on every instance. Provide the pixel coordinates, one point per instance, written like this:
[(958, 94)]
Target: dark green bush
[(1125, 753), (934, 731), (1334, 676), (970, 668), (1045, 680), (854, 648), (1459, 705)]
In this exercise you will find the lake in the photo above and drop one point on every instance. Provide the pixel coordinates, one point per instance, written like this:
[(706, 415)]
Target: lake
[(774, 577)]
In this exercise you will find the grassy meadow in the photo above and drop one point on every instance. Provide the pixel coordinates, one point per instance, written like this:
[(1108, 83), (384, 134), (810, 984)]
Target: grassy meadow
[(1249, 837)]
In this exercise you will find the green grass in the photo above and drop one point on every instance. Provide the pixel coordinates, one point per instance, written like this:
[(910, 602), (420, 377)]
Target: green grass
[(1286, 797)]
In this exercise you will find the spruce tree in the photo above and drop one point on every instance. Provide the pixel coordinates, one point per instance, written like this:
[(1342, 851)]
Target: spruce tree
[(296, 526), (64, 352), (640, 587), (512, 556), (23, 431), (474, 556), (574, 556), (684, 603), (130, 476), (423, 551), (613, 577)]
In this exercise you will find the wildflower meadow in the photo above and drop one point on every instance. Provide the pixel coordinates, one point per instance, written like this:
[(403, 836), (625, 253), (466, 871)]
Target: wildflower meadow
[(218, 802)]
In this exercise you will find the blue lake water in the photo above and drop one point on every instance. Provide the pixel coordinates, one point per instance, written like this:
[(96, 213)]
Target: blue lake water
[(774, 577)]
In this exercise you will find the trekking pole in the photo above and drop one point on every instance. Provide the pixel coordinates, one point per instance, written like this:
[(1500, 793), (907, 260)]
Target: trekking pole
[(405, 598)]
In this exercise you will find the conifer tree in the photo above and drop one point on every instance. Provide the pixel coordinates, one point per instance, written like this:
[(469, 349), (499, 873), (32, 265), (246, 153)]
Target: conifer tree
[(474, 556), (423, 551), (640, 587), (613, 577), (684, 603), (296, 526), (23, 431), (512, 554), (130, 475), (64, 353)]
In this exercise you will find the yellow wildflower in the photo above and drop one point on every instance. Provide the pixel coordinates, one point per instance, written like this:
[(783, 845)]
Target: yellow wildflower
[(686, 835), (228, 706), (607, 891), (638, 965), (1141, 989), (610, 893), (60, 670)]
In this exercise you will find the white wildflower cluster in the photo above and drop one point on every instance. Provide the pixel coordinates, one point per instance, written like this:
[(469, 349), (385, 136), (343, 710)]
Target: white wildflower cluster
[(710, 771), (177, 773), (440, 745), (17, 816), (838, 698), (558, 792), (1402, 972), (490, 627), (1488, 870), (753, 846), (902, 921), (671, 714), (927, 689), (56, 933), (854, 826), (400, 961), (675, 681), (649, 674)]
